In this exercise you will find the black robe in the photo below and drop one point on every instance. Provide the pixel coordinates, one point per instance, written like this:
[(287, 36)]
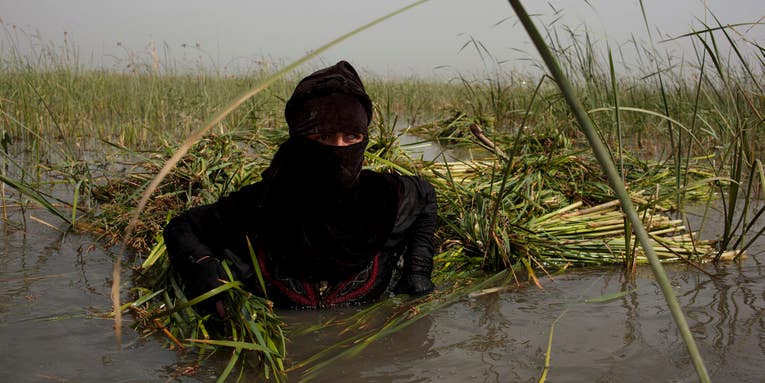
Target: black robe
[(402, 223)]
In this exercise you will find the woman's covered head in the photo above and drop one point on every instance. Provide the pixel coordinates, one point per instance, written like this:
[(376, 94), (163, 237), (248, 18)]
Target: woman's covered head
[(328, 117), (330, 106)]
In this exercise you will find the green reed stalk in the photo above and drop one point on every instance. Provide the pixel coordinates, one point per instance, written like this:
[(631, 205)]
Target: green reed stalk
[(677, 146), (629, 256), (35, 195), (601, 153), (509, 158), (739, 127)]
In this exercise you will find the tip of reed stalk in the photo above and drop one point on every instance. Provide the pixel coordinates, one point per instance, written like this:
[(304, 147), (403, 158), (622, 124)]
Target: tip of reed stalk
[(488, 291), (732, 255)]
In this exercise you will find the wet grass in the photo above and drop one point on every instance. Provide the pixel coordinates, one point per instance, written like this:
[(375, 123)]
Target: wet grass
[(535, 205)]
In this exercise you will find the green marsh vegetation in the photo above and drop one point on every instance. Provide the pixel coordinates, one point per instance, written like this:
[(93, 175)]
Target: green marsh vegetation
[(534, 204)]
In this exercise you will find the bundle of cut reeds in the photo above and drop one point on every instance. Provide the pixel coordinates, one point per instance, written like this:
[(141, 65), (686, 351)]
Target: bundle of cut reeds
[(556, 209)]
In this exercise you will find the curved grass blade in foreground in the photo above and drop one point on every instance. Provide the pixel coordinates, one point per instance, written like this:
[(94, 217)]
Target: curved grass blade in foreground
[(616, 183)]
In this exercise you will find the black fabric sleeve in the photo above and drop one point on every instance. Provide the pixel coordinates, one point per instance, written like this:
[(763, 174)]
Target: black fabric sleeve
[(191, 242), (197, 240), (413, 231)]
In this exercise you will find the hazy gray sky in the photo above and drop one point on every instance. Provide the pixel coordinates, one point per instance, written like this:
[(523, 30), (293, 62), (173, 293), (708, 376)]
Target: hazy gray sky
[(424, 41)]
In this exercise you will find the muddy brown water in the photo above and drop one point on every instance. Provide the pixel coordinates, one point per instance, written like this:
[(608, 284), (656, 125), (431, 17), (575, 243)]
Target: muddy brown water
[(54, 296), (54, 291)]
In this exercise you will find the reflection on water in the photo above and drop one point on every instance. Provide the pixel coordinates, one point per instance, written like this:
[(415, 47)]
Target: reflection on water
[(54, 289), (503, 337), (428, 150)]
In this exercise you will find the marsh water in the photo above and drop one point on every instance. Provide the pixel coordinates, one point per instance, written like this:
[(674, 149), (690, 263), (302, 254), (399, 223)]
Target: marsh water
[(54, 327), (54, 294)]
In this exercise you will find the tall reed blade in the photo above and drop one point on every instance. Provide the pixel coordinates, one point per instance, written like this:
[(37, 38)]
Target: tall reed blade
[(612, 174)]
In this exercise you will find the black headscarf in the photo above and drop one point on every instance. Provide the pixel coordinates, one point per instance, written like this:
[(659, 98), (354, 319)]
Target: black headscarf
[(341, 78), (320, 219)]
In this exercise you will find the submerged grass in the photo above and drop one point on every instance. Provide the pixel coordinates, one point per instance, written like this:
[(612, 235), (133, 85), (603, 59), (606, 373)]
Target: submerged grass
[(534, 204)]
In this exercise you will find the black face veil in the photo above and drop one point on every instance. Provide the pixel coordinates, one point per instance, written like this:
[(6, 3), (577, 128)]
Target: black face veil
[(319, 220)]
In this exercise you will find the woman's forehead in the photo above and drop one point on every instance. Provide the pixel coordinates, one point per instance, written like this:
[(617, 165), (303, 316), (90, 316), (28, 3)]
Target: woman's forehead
[(337, 113)]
